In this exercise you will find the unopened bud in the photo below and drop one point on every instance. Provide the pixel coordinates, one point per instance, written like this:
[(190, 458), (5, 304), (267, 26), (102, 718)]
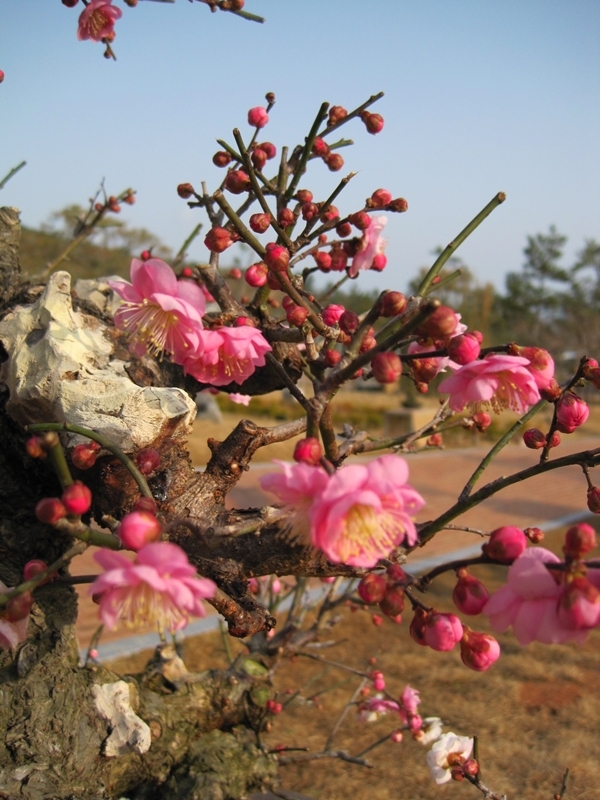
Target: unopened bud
[(535, 535), (332, 357), (534, 439), (296, 315), (277, 257), (334, 162), (77, 498), (505, 544), (343, 229), (219, 239), (349, 322), (147, 460), (579, 541), (50, 510), (237, 181), (373, 122), (268, 149), (259, 157), (379, 199), (371, 588), (256, 275), (308, 451), (336, 114), (400, 205), (593, 500), (258, 117), (304, 196), (360, 220), (387, 367), (320, 147), (185, 190), (221, 158), (286, 217)]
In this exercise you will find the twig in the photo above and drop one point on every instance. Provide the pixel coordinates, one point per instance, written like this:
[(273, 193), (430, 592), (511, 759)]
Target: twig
[(344, 712), (341, 754), (11, 174)]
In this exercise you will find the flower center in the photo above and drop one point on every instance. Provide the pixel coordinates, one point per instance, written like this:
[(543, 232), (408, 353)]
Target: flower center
[(369, 531)]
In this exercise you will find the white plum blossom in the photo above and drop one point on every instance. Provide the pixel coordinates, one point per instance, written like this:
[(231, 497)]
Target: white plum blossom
[(437, 757), (430, 732)]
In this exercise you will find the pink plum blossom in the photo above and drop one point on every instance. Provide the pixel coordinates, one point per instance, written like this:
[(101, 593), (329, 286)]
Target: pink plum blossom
[(12, 632), (371, 245), (160, 587), (496, 381), (162, 313), (241, 399), (529, 601), (227, 355), (541, 364), (438, 757), (295, 487), (97, 20), (410, 699), (364, 511)]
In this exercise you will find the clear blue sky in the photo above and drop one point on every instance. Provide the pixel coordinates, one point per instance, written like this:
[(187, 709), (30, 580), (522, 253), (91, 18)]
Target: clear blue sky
[(480, 96)]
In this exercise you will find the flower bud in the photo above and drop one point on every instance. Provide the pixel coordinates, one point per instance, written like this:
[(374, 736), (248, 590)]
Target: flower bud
[(471, 767), (146, 255), (146, 504), (273, 283), (77, 498), (296, 315), (286, 217), (571, 412), (18, 607), (258, 117), (392, 304), (373, 122), (330, 213), (378, 680), (273, 707), (336, 114), (387, 367), (138, 529), (435, 440), (35, 447), (457, 774), (349, 322), (33, 568), (440, 324), (535, 535), (505, 544), (50, 510), (334, 162), (219, 239), (277, 257), (424, 369), (260, 222), (396, 736), (360, 220), (541, 364), (464, 348), (320, 147), (147, 460), (256, 275), (368, 343), (268, 149), (470, 595), (372, 588), (579, 604), (322, 260), (399, 205), (185, 190), (551, 392), (593, 500), (343, 229), (417, 626), (534, 439), (379, 199), (237, 181), (235, 274), (68, 4), (308, 451), (579, 541), (84, 456), (442, 631), (332, 357), (482, 420), (392, 604), (379, 262), (129, 199), (259, 157), (221, 158), (304, 196)]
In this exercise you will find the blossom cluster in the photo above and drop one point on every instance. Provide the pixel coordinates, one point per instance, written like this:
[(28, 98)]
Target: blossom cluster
[(356, 515), (164, 315)]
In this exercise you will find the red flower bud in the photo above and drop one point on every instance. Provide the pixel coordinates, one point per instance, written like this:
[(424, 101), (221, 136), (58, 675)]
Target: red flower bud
[(379, 262), (77, 498), (332, 357), (464, 348), (368, 343), (379, 199), (392, 603), (35, 447), (343, 229), (260, 222), (323, 260), (146, 255), (259, 157), (551, 391), (593, 500), (33, 568), (308, 451), (320, 147), (332, 314), (138, 529), (269, 149), (18, 607), (442, 631), (571, 412), (399, 205), (129, 199), (304, 196), (147, 460), (329, 214), (482, 420), (334, 161), (286, 217), (535, 535), (349, 322), (219, 239), (309, 211), (478, 651), (579, 604), (277, 257), (373, 122), (258, 117), (336, 114), (435, 440), (417, 626), (256, 275), (68, 4), (579, 540), (505, 544), (440, 324), (145, 504), (392, 304), (185, 190), (360, 220), (237, 181), (470, 595), (534, 439), (84, 456), (387, 367), (296, 315), (221, 158), (235, 274)]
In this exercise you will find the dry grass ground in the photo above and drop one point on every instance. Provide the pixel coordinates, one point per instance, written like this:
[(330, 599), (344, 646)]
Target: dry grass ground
[(536, 712)]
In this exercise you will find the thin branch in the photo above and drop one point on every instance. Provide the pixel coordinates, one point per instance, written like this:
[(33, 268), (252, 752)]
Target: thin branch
[(11, 174)]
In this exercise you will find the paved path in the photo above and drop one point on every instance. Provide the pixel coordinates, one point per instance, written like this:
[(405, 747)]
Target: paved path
[(439, 477)]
